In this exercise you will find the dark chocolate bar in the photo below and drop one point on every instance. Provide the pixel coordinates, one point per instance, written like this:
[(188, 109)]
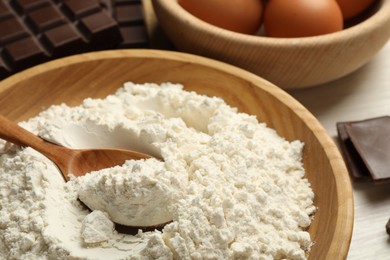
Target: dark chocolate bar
[(129, 15), (366, 148), (35, 31)]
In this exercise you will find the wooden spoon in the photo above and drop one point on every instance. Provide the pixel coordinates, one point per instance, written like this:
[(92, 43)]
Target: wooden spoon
[(77, 162)]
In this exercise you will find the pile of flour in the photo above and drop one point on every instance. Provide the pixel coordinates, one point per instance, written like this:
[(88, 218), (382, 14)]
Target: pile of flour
[(229, 186)]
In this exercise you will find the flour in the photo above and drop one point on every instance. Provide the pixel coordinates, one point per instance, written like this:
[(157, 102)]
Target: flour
[(229, 187), (97, 228), (136, 194)]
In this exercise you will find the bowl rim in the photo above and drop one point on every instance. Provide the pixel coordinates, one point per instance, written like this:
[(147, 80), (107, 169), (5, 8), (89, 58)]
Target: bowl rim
[(376, 20), (343, 187)]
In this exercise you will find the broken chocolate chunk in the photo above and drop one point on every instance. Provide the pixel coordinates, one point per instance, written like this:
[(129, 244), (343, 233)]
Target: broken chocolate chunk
[(366, 148)]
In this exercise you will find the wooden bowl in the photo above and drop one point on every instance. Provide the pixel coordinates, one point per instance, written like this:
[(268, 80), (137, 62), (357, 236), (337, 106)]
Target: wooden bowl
[(287, 62), (98, 74)]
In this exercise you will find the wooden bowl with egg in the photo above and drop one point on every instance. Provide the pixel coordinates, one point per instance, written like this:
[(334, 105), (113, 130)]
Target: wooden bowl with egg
[(287, 62), (96, 75)]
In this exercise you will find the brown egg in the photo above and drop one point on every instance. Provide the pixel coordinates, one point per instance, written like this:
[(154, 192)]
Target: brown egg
[(351, 8), (301, 18), (243, 16)]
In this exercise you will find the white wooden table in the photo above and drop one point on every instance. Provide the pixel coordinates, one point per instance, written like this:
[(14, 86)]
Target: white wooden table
[(360, 95)]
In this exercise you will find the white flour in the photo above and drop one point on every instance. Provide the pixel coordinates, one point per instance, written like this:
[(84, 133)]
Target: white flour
[(136, 194), (232, 187)]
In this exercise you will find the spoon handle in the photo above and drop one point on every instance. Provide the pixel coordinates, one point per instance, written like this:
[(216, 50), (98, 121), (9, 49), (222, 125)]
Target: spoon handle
[(13, 133)]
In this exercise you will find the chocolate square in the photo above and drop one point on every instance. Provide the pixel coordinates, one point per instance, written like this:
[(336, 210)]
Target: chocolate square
[(45, 18), (23, 6), (5, 12), (356, 167), (131, 21), (366, 147), (10, 30), (63, 40), (24, 53), (77, 9), (100, 27)]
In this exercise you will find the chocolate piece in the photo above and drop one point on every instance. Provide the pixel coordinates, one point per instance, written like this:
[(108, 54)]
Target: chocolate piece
[(23, 53), (98, 28), (45, 18), (356, 167), (11, 30), (77, 9), (388, 227), (130, 18), (371, 140), (33, 31), (63, 40), (23, 6), (366, 145), (133, 37), (4, 11)]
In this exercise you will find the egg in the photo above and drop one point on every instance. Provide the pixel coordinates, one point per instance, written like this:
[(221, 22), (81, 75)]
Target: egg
[(243, 16), (301, 18), (352, 8)]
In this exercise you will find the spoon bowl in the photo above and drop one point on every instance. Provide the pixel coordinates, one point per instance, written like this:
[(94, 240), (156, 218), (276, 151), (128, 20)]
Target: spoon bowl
[(76, 162)]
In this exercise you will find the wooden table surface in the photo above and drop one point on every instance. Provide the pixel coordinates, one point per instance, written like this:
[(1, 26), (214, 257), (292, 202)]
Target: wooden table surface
[(363, 94)]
